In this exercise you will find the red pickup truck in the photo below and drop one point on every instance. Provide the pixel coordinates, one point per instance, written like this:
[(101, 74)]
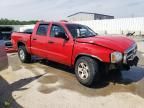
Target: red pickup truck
[(77, 46)]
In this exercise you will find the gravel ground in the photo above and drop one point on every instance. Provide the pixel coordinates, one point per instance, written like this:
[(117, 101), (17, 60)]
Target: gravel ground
[(50, 85)]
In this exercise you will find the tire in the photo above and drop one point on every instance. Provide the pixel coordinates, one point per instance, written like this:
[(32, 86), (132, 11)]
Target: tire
[(24, 56), (86, 70)]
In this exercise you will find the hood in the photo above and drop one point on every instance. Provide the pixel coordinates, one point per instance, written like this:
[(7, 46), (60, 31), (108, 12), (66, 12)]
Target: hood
[(117, 43)]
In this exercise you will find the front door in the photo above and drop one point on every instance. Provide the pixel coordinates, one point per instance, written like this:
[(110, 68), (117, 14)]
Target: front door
[(60, 49)]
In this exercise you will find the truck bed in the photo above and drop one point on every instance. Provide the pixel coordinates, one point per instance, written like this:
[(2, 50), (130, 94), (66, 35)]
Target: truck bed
[(20, 37)]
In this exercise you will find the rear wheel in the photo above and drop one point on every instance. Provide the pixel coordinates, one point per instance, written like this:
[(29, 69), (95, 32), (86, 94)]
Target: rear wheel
[(86, 70), (24, 56)]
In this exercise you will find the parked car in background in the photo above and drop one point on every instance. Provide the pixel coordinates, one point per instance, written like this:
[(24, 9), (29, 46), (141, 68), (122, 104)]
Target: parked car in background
[(3, 56), (77, 46), (5, 35)]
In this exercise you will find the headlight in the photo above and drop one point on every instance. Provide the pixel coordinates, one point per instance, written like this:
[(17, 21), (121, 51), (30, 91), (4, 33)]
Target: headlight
[(116, 57)]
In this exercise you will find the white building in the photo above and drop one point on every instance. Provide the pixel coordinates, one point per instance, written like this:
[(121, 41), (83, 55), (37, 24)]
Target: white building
[(83, 16), (116, 26)]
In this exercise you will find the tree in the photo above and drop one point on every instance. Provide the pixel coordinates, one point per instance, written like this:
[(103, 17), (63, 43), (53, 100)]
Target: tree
[(4, 21)]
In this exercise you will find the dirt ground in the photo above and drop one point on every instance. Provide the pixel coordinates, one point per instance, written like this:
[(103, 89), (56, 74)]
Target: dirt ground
[(43, 84)]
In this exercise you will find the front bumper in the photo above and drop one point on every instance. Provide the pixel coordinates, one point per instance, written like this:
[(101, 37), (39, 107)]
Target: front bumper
[(133, 62), (123, 66)]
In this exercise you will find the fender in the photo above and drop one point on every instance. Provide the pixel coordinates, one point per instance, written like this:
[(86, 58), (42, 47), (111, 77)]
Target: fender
[(20, 41), (85, 54), (23, 42)]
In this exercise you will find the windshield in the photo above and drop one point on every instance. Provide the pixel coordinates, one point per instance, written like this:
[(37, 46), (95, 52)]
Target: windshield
[(80, 31)]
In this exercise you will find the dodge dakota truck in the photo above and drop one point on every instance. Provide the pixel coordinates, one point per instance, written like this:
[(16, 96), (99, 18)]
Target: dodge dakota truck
[(77, 46)]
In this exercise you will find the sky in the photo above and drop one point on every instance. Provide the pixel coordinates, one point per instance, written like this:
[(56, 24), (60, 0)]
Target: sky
[(60, 9)]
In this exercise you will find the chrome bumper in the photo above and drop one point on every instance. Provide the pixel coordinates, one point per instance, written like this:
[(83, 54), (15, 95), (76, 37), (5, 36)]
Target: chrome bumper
[(130, 56)]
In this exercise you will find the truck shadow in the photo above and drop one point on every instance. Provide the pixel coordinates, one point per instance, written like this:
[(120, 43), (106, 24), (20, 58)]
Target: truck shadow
[(62, 77), (135, 74), (114, 82), (6, 89)]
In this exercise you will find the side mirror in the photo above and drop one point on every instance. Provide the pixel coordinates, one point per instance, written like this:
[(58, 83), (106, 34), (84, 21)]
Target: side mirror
[(61, 35)]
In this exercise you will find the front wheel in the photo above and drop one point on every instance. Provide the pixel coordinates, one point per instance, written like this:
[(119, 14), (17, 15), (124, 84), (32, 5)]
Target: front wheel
[(24, 56), (86, 70)]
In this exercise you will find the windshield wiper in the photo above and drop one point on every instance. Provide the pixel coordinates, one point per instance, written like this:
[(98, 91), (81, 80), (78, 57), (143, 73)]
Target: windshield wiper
[(87, 36), (82, 37), (92, 36)]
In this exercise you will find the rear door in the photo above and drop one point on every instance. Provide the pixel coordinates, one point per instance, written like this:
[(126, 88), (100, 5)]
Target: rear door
[(60, 49), (39, 40)]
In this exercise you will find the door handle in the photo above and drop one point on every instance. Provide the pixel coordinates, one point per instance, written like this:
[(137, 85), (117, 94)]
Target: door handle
[(51, 42), (34, 39)]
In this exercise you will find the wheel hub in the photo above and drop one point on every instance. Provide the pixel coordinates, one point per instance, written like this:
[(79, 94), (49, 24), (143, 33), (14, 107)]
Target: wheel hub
[(22, 54), (83, 71)]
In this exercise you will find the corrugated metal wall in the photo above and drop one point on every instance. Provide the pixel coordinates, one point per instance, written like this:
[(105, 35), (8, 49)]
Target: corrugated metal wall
[(81, 17), (116, 26)]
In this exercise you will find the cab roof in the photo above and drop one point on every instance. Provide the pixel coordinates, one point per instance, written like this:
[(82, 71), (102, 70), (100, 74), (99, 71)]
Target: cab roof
[(62, 22)]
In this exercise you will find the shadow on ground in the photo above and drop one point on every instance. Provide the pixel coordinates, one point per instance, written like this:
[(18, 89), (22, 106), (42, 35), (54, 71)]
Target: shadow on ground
[(61, 77), (6, 89), (124, 81), (135, 74)]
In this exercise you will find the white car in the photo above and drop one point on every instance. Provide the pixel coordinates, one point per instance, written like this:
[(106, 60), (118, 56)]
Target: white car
[(3, 56)]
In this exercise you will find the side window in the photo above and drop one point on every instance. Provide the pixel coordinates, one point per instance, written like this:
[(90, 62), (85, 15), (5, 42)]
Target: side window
[(55, 30), (42, 29)]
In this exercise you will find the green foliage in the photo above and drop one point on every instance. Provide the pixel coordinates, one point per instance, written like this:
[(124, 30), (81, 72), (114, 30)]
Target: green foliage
[(15, 22)]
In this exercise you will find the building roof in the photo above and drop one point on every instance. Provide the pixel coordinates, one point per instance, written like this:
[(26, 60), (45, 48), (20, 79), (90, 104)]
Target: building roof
[(88, 13)]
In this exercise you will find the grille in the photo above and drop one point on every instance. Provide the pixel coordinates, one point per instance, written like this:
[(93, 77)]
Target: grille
[(131, 53)]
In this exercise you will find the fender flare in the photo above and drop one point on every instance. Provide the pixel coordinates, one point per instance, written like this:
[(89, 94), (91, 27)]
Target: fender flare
[(24, 45), (84, 54)]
